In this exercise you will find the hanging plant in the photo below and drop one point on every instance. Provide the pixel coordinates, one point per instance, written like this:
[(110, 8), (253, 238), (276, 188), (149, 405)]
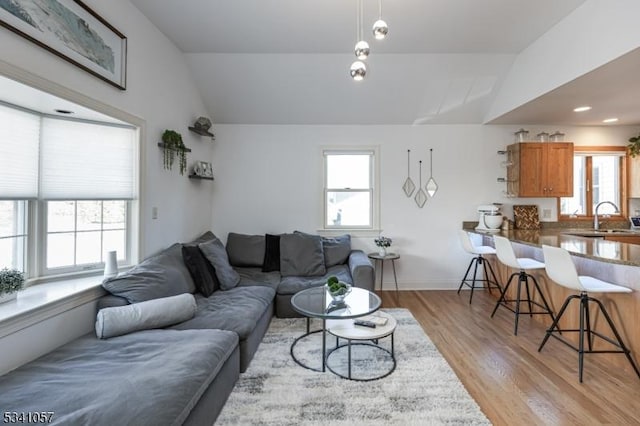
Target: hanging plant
[(173, 145), (634, 146)]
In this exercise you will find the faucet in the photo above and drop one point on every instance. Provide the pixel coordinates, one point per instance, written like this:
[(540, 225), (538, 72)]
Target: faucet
[(596, 224)]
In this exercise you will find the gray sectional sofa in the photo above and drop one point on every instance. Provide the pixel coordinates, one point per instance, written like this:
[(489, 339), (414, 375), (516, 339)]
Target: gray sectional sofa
[(138, 376)]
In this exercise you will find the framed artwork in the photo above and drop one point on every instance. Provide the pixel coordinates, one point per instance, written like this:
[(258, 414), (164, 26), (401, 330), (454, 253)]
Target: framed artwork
[(71, 30), (203, 169)]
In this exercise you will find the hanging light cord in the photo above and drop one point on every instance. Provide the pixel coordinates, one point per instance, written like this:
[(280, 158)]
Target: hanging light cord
[(379, 9), (408, 162), (431, 162)]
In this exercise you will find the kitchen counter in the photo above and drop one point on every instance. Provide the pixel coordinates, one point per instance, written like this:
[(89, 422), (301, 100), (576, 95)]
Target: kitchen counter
[(589, 244)]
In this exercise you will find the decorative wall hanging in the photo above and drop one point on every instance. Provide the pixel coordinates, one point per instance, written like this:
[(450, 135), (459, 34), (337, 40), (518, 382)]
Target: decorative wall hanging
[(421, 196), (408, 186), (431, 186), (172, 144), (73, 31)]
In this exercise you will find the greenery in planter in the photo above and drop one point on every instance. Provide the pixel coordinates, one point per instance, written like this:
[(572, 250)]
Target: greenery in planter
[(11, 280), (173, 144), (634, 146)]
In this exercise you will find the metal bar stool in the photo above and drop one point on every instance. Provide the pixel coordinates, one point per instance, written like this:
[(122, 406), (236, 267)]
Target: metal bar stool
[(505, 254), (478, 260), (561, 269)]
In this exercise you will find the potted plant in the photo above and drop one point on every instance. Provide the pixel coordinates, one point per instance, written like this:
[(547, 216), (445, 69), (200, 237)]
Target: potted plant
[(634, 146), (337, 289), (172, 144), (383, 243), (11, 281)]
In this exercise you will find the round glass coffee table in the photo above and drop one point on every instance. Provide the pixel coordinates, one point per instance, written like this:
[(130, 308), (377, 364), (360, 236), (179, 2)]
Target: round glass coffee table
[(316, 302)]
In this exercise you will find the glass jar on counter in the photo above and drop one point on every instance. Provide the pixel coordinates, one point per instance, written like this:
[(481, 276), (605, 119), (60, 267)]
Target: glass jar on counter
[(557, 136), (542, 137), (522, 135)]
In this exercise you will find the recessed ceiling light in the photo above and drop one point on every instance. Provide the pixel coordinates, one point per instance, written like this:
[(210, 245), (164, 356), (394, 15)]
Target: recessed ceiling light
[(610, 120), (582, 108), (63, 111)]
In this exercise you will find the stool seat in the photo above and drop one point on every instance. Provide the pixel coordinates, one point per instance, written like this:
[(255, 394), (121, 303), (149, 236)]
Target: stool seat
[(561, 269), (594, 285), (527, 263), (483, 250)]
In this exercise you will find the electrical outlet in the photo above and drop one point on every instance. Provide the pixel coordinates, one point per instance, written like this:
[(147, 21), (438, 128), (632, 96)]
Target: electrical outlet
[(546, 213), (154, 213)]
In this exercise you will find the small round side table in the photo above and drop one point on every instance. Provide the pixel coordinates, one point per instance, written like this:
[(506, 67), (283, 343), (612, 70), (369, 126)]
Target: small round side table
[(389, 256)]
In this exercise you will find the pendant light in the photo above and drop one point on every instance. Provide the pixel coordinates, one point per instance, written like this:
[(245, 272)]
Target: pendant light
[(408, 186), (358, 69), (431, 185), (380, 28)]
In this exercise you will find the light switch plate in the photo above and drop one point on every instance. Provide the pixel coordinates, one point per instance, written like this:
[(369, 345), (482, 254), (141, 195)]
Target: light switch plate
[(546, 213), (154, 213)]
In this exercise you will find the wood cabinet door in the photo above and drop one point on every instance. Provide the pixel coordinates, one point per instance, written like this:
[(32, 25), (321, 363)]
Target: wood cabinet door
[(532, 170), (559, 170)]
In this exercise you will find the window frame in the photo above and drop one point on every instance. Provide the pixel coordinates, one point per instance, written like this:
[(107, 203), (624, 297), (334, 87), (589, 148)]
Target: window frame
[(373, 190), (623, 184)]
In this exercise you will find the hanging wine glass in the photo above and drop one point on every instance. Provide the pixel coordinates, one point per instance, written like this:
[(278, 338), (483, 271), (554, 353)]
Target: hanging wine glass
[(421, 197), (408, 186), (432, 186)]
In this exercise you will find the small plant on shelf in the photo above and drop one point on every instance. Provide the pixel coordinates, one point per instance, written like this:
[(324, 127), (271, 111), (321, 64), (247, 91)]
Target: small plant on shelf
[(634, 146), (172, 144), (11, 280)]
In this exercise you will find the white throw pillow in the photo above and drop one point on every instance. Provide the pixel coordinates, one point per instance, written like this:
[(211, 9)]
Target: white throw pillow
[(156, 313)]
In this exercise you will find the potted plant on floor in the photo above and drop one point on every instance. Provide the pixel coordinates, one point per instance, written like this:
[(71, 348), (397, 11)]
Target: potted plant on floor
[(172, 144), (11, 281)]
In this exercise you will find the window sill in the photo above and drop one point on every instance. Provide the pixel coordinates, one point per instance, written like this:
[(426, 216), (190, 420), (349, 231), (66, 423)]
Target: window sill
[(43, 301), (354, 232)]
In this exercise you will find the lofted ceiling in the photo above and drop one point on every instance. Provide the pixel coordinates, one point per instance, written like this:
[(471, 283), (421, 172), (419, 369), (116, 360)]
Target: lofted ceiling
[(287, 61)]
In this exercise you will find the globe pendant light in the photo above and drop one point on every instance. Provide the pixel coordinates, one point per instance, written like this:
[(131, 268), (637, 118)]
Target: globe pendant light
[(362, 49), (358, 70), (380, 28)]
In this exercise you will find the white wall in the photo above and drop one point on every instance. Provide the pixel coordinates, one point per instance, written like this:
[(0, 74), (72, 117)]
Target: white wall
[(269, 179), (160, 91)]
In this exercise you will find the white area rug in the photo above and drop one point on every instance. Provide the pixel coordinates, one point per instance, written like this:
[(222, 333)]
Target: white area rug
[(423, 389)]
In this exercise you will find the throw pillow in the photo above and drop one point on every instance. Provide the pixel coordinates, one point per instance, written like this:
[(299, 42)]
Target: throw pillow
[(301, 255), (162, 275), (202, 271), (158, 313), (216, 254), (271, 253), (336, 249), (245, 250)]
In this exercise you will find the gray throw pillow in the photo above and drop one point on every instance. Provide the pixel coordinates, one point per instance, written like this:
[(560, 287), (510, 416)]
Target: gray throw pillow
[(162, 275), (245, 250), (336, 249), (301, 255), (215, 253)]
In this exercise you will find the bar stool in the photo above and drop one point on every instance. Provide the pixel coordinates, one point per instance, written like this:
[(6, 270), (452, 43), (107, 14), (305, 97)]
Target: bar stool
[(478, 251), (505, 254), (561, 269)]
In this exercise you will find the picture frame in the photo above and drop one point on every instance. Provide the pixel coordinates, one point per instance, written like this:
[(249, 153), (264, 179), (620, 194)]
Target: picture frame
[(203, 169), (89, 42)]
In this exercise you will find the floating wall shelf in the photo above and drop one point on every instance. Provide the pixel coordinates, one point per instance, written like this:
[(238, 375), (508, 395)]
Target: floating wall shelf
[(202, 132), (200, 177), (162, 145)]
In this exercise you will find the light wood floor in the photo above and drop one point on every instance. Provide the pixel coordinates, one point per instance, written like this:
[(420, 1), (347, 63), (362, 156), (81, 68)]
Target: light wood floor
[(513, 383)]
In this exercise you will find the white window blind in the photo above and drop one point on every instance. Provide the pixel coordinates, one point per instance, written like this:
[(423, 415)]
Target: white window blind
[(86, 161), (19, 140)]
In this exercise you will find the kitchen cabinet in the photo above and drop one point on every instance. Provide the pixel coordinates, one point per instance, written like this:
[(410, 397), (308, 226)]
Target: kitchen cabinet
[(629, 239), (634, 177), (540, 169)]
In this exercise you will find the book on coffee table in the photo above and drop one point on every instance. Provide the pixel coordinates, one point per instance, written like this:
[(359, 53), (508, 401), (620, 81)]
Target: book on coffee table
[(376, 319)]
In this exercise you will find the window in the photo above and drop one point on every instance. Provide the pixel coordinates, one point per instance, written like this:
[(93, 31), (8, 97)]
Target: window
[(597, 177), (67, 189), (349, 189)]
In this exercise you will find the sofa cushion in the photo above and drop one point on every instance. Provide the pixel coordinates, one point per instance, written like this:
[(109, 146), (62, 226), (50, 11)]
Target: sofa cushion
[(255, 277), (271, 260), (157, 313), (336, 249), (292, 285), (216, 254), (162, 275), (202, 271), (301, 255), (207, 236), (245, 250), (237, 310)]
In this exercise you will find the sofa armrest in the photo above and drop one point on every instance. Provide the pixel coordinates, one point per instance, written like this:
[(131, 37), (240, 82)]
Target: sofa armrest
[(362, 271), (110, 301)]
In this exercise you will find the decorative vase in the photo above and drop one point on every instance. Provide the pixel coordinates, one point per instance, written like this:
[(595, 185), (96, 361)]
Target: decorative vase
[(382, 251), (4, 297)]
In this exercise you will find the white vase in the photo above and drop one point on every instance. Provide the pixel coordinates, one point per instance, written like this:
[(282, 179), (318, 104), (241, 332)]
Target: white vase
[(382, 251), (4, 297)]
